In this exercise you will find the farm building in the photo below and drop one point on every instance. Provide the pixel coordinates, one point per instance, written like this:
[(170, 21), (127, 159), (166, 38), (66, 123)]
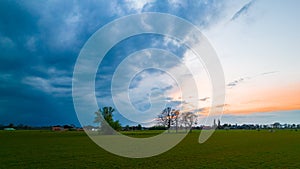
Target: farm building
[(57, 128)]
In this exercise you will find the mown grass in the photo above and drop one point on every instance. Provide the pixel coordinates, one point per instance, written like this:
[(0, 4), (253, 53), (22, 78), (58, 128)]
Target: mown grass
[(142, 134), (225, 149)]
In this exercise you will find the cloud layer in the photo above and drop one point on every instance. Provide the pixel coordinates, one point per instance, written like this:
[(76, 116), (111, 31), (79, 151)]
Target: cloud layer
[(40, 42)]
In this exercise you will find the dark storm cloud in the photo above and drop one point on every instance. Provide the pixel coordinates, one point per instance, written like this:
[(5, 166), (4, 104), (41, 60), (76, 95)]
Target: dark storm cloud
[(39, 44)]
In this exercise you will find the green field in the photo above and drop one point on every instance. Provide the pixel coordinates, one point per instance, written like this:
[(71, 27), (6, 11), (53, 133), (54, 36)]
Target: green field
[(225, 149)]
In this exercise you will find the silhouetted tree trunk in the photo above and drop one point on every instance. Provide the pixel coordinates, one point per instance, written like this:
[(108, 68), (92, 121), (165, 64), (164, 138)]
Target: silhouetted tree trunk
[(168, 116)]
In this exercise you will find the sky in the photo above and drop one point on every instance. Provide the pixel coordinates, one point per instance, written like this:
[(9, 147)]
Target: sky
[(257, 43)]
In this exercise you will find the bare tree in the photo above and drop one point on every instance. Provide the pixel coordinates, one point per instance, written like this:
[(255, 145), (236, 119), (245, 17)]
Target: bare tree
[(188, 119), (169, 117)]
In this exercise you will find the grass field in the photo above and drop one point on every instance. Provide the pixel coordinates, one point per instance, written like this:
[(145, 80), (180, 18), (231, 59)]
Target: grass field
[(225, 149)]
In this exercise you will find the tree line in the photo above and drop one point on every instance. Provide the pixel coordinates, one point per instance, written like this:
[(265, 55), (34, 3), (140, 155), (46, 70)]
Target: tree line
[(166, 119), (171, 118)]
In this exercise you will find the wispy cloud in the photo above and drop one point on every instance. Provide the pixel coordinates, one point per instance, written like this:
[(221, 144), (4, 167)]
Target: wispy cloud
[(242, 11), (59, 86), (272, 72), (236, 82), (137, 6), (204, 99), (243, 79)]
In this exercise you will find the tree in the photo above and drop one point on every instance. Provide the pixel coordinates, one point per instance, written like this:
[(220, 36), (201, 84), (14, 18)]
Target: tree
[(215, 124), (168, 117), (219, 124), (106, 114), (11, 125), (127, 128), (189, 119), (139, 127), (276, 125)]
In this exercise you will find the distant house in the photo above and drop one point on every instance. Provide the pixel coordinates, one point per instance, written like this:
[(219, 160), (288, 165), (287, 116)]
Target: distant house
[(65, 128), (9, 129), (69, 128), (207, 127), (95, 129), (57, 128)]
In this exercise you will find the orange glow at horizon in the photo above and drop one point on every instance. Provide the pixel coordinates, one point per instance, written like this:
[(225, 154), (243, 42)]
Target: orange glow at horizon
[(265, 100)]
